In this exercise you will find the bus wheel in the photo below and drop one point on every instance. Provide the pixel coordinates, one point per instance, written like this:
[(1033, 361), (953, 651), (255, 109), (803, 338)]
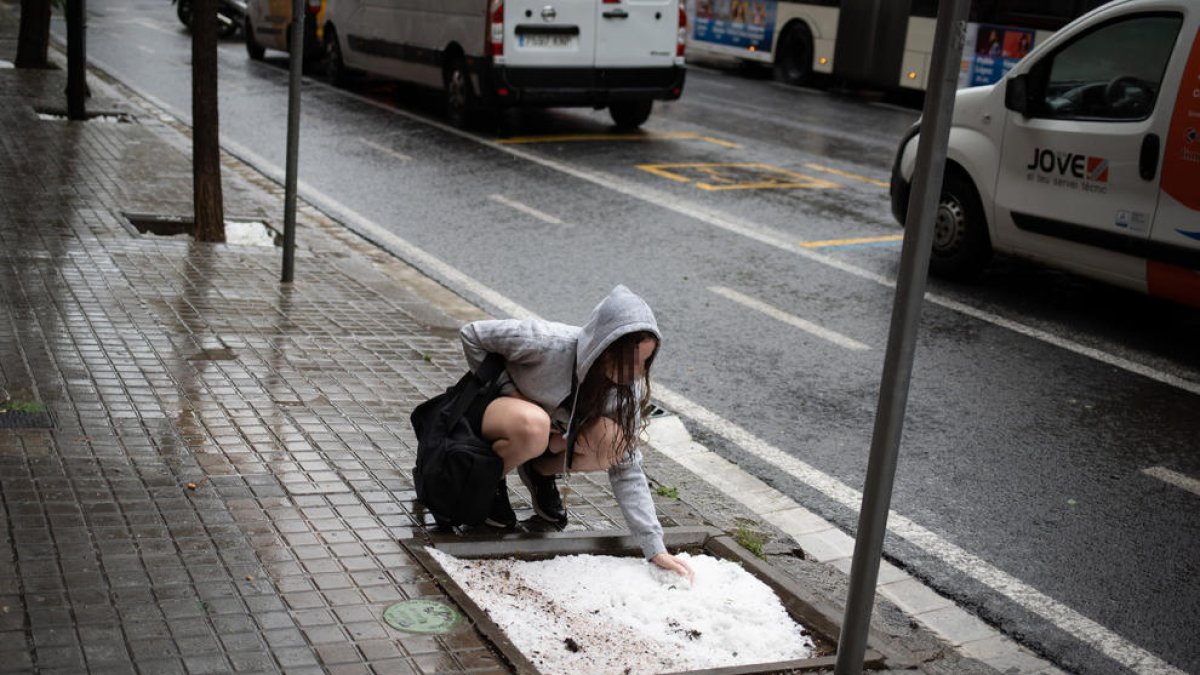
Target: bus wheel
[(630, 114), (793, 61), (961, 245)]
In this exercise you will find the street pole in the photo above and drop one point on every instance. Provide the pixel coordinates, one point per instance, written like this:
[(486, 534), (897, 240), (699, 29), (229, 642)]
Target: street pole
[(902, 336), (76, 60), (295, 57)]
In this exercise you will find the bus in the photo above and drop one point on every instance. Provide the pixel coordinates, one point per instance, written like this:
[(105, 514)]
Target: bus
[(879, 44)]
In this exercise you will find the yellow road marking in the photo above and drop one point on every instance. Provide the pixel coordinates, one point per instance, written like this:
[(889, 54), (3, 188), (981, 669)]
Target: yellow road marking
[(846, 174), (851, 242), (733, 176), (647, 136)]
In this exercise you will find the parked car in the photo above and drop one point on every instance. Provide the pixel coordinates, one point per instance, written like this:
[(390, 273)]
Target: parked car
[(268, 26), (619, 54), (1084, 157)]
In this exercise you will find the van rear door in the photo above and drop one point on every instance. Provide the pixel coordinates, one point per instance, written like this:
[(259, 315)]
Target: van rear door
[(545, 34), (636, 33)]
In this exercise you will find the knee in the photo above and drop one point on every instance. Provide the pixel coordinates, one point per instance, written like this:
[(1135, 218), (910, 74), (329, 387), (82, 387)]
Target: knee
[(531, 425)]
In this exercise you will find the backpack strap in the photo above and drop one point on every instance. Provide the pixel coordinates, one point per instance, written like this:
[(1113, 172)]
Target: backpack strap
[(484, 379)]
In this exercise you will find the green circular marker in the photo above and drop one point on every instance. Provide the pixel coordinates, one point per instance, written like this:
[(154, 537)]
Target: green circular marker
[(422, 616)]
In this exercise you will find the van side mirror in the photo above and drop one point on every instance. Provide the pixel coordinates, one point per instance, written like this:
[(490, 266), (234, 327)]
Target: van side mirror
[(1016, 93)]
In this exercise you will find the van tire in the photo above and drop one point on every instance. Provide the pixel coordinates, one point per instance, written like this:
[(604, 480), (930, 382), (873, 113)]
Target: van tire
[(630, 114), (961, 244), (253, 49), (183, 10), (335, 66), (794, 55), (461, 105)]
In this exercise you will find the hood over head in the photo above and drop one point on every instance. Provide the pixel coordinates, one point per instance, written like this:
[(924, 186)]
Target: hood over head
[(621, 312)]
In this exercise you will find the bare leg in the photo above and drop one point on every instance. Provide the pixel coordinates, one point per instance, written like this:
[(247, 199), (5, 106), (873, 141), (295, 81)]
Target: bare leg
[(517, 428)]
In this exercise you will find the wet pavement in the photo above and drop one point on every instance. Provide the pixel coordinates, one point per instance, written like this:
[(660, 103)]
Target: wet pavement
[(226, 480)]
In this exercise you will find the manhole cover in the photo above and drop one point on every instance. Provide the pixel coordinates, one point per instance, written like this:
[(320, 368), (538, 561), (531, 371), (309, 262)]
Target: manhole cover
[(19, 419), (422, 616)]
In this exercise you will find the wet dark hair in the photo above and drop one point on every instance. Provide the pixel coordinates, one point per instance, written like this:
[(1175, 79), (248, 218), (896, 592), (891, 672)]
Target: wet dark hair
[(600, 396)]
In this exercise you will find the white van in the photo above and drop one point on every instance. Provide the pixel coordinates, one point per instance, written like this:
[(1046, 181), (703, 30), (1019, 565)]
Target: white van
[(1085, 156), (619, 54)]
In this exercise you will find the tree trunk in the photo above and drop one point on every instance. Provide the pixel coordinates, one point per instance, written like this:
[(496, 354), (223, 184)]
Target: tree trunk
[(206, 142), (33, 40)]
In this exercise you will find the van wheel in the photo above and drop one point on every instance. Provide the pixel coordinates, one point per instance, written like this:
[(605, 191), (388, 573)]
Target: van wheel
[(961, 245), (630, 114), (183, 10), (793, 60), (255, 50), (335, 67), (460, 97)]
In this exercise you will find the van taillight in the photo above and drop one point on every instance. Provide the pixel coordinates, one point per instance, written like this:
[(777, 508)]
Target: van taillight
[(496, 28), (681, 36)]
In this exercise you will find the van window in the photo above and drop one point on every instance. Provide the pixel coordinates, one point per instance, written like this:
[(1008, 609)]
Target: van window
[(1112, 72)]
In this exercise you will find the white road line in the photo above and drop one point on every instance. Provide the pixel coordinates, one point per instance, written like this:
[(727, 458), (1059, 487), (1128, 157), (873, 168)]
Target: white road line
[(147, 23), (528, 210), (1174, 478), (383, 148), (1099, 637), (792, 320)]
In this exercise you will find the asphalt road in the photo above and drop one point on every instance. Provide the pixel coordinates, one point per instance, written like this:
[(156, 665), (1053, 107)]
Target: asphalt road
[(1039, 400)]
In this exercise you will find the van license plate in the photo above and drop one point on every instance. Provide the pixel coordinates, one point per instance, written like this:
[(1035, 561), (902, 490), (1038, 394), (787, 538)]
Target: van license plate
[(546, 40)]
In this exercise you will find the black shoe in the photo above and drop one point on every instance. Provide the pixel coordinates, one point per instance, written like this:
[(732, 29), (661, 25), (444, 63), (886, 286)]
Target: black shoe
[(543, 492), (501, 514)]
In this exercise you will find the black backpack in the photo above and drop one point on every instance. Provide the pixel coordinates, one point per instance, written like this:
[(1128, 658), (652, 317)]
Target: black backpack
[(457, 472)]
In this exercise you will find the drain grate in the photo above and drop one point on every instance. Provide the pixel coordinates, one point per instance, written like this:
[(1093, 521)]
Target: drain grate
[(21, 419)]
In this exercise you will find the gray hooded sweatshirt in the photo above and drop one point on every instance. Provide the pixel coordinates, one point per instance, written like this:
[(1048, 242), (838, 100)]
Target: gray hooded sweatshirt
[(541, 356)]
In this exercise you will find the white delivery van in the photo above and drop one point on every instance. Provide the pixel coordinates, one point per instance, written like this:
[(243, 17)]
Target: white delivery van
[(1085, 156), (619, 54)]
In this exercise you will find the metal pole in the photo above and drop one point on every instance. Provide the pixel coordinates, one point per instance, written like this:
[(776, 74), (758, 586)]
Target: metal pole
[(295, 56), (76, 59), (902, 337)]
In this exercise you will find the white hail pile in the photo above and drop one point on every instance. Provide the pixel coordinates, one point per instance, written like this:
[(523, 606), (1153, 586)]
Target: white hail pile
[(586, 613)]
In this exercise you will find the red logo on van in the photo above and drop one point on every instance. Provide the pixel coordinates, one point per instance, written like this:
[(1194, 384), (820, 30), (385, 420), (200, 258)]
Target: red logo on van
[(1097, 169)]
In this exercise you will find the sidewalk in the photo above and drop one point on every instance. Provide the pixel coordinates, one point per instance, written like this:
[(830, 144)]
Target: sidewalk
[(227, 475)]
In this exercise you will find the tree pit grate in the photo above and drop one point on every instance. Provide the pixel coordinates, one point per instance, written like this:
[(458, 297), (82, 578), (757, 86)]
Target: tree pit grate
[(238, 231), (822, 619), (59, 114)]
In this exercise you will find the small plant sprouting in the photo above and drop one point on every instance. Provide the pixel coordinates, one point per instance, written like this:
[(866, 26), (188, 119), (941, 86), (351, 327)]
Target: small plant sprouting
[(668, 492), (22, 406), (428, 358), (750, 540)]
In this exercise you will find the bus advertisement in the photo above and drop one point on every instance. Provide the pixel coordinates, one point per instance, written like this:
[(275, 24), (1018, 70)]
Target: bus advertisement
[(885, 44)]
